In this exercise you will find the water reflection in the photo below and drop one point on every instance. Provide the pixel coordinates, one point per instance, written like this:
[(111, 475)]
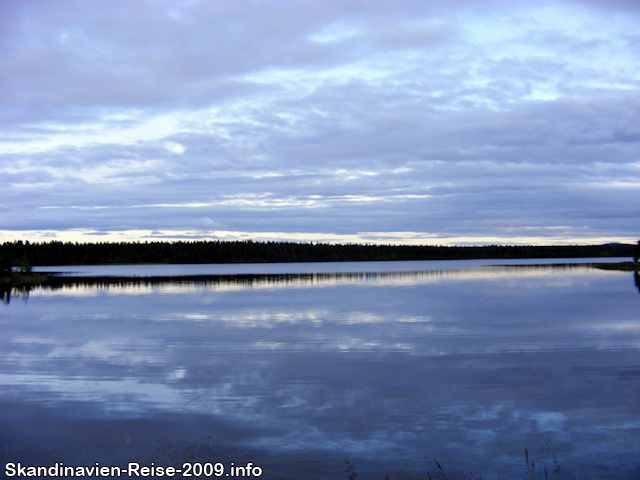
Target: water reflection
[(131, 284), (9, 291), (391, 369)]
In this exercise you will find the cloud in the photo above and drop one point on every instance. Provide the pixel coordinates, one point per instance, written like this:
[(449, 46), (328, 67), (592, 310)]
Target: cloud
[(457, 120)]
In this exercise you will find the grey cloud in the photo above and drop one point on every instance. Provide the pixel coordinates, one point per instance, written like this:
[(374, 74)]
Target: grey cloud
[(325, 117)]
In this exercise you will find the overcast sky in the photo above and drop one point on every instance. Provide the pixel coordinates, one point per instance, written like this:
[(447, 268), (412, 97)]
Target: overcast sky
[(379, 121)]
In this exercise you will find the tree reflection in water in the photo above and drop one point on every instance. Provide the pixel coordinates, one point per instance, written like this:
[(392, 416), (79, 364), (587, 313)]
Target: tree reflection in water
[(263, 280), (8, 291)]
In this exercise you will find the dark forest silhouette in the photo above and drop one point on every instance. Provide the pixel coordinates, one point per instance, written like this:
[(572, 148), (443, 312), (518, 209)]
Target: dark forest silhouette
[(25, 254)]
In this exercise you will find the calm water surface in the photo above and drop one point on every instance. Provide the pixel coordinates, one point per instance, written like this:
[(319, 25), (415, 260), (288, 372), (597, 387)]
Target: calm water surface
[(296, 367)]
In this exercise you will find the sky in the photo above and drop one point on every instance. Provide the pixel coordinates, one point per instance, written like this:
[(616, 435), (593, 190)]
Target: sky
[(463, 122)]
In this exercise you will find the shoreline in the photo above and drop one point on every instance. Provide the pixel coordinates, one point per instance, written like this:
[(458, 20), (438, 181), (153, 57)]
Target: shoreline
[(223, 252), (622, 267)]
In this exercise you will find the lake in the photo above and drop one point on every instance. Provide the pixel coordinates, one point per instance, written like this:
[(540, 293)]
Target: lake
[(392, 366)]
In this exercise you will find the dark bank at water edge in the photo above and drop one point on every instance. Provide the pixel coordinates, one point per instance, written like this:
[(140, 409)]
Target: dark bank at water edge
[(21, 253)]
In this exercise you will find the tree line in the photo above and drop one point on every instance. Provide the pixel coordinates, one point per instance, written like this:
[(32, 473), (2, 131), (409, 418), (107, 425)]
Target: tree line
[(25, 254)]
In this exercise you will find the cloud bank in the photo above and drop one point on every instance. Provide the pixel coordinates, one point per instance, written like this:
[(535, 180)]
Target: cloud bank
[(394, 122)]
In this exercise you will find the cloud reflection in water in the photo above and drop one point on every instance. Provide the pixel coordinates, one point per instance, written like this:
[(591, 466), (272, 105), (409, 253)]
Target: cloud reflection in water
[(464, 366)]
